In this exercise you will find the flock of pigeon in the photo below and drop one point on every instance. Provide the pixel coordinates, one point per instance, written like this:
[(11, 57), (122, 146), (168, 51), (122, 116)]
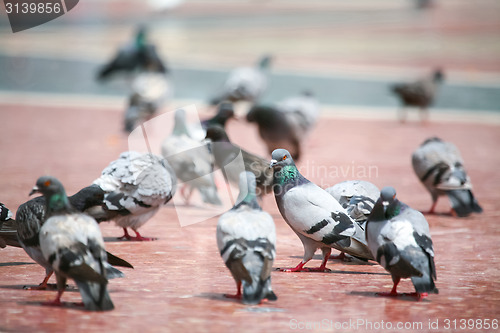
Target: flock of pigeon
[(61, 233)]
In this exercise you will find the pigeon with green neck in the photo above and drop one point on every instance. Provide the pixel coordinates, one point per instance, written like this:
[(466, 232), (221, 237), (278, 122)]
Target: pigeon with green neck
[(137, 56), (72, 243), (246, 239), (399, 239), (31, 215), (315, 216)]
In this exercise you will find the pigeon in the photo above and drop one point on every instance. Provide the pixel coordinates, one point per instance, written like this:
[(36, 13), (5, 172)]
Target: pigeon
[(225, 112), (398, 237), (31, 215), (191, 161), (135, 186), (73, 245), (149, 91), (8, 228), (138, 55), (285, 124), (314, 215), (227, 157), (440, 167), (357, 197), (418, 94), (245, 83), (246, 238)]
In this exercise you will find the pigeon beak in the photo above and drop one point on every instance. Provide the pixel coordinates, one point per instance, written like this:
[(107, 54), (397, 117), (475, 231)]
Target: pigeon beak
[(34, 190), (273, 163)]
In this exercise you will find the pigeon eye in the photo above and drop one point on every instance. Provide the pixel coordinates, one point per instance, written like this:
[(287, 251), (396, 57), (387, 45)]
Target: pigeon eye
[(284, 157), (47, 183)]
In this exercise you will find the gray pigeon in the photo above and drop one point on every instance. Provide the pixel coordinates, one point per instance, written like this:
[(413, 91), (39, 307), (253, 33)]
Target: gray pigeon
[(72, 243), (246, 238), (440, 168), (138, 55), (245, 83), (315, 216), (31, 215), (419, 94), (136, 185), (8, 228), (149, 91), (285, 124), (399, 239), (227, 157), (191, 161)]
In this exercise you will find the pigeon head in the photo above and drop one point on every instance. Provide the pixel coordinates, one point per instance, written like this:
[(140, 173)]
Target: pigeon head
[(388, 195), (386, 206), (47, 186), (265, 61), (54, 194), (140, 35), (438, 75), (280, 158), (216, 133)]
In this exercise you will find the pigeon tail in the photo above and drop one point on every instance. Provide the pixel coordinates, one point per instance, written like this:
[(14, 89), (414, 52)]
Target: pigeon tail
[(95, 297), (463, 202)]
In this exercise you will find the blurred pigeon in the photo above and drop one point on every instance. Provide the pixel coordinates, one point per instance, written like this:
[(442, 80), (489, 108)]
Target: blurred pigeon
[(440, 167), (191, 161), (72, 243), (8, 228), (149, 92), (246, 238), (285, 124), (399, 239), (136, 56), (225, 112), (245, 83), (315, 216), (31, 215), (419, 94), (357, 197), (228, 156), (135, 187)]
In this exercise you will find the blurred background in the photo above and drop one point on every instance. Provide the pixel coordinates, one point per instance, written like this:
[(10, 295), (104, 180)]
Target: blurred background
[(346, 52)]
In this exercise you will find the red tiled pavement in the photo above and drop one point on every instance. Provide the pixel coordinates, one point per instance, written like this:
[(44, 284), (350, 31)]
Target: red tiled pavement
[(178, 281)]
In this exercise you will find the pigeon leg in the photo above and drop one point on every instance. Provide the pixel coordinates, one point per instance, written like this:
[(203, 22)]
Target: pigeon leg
[(57, 301), (139, 238), (393, 292), (431, 211), (322, 268), (43, 285), (238, 292), (298, 268), (424, 116), (125, 235), (402, 115)]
